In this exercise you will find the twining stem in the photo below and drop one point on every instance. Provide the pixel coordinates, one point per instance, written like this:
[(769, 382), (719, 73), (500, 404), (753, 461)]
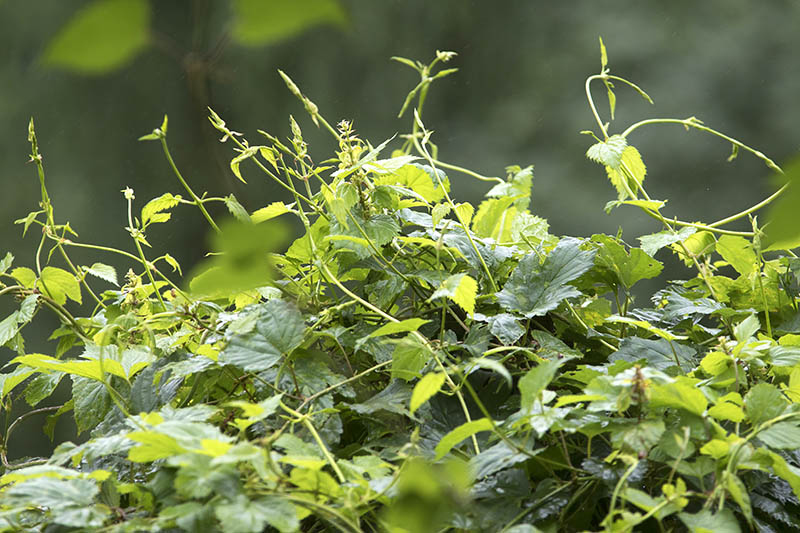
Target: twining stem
[(186, 186)]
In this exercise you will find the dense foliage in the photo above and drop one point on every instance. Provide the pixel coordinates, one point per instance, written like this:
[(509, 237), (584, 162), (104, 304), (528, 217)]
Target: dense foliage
[(409, 363)]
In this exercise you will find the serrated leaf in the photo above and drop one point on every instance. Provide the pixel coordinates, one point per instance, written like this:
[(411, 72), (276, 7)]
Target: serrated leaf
[(738, 252), (460, 433), (659, 354), (60, 285), (258, 23), (438, 212), (275, 209), (157, 205), (506, 327), (409, 358), (91, 402), (629, 175), (425, 389), (236, 209), (417, 178), (403, 326), (678, 396), (5, 263), (495, 217), (534, 288), (152, 446), (608, 153), (461, 289), (279, 330), (764, 402), (653, 243), (103, 35), (627, 267), (465, 210), (104, 272), (781, 436)]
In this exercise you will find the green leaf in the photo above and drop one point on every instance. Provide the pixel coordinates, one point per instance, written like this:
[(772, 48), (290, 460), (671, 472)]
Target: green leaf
[(275, 209), (236, 209), (629, 174), (413, 177), (782, 226), (380, 229), (461, 289), (409, 358), (660, 353), (679, 396), (102, 36), (9, 327), (707, 522), (506, 327), (279, 330), (495, 218), (5, 263), (10, 380), (738, 252), (91, 402), (781, 436), (628, 268), (534, 289), (156, 206), (411, 324), (653, 243), (746, 329), (59, 284), (608, 153), (25, 276), (535, 381), (152, 446), (438, 212), (603, 55), (258, 23), (104, 272), (460, 433), (764, 402), (69, 502), (425, 389)]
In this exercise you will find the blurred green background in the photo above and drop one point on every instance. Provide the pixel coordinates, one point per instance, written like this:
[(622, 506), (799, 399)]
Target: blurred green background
[(97, 74)]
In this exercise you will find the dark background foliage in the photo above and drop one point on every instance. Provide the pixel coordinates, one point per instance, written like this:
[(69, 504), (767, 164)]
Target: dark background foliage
[(518, 99)]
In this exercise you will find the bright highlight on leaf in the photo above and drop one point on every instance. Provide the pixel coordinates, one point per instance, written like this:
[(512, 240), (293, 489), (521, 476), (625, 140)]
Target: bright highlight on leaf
[(425, 389), (461, 289)]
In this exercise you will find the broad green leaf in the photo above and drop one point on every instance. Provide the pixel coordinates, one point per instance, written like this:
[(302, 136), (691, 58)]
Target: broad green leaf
[(627, 267), (25, 276), (659, 354), (764, 402), (12, 379), (101, 36), (781, 436), (59, 284), (495, 218), (790, 473), (715, 363), (747, 328), (727, 411), (465, 210), (506, 327), (91, 402), (152, 446), (738, 252), (706, 521), (156, 206), (275, 209), (409, 358), (739, 493), (104, 272), (70, 503), (259, 23), (534, 288), (411, 324), (91, 369), (535, 381), (279, 330), (608, 153), (460, 433), (678, 396), (418, 178), (653, 243), (461, 289), (425, 389)]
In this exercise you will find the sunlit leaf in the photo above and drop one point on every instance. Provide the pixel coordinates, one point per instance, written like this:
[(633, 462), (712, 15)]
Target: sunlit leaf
[(258, 23)]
